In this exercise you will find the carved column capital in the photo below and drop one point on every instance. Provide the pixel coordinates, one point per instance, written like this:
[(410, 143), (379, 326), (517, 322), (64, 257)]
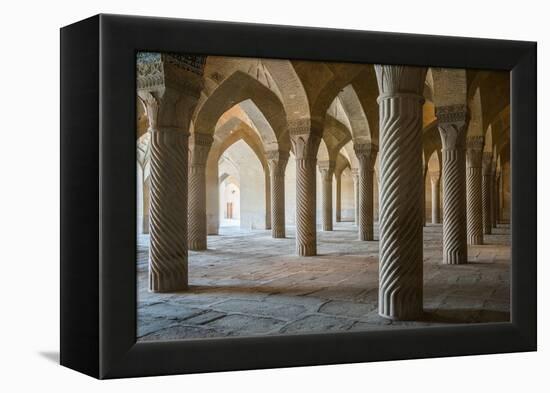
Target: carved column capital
[(277, 160), (366, 155), (158, 71), (305, 137), (394, 80), (277, 155), (199, 147), (326, 168), (452, 124), (169, 86), (474, 151)]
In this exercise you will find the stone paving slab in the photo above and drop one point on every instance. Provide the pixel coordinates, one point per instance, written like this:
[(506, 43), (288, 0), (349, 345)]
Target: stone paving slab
[(246, 325), (247, 283)]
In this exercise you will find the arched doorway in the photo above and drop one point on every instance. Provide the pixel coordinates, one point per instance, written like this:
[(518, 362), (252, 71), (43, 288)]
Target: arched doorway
[(242, 188)]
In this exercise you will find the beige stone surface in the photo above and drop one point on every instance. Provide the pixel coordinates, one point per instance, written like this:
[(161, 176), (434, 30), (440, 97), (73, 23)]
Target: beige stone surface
[(248, 283), (246, 147)]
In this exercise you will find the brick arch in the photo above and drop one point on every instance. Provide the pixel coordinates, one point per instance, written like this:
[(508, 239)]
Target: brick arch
[(241, 88), (365, 86), (501, 126), (494, 92), (359, 124), (434, 162), (232, 131), (475, 126)]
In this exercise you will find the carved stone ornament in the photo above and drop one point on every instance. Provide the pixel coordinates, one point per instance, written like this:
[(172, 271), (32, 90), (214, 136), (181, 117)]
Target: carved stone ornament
[(452, 124), (157, 71)]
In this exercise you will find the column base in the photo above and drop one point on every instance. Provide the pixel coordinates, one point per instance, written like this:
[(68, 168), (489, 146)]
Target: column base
[(306, 250), (476, 240), (197, 245), (327, 228), (168, 284), (278, 233), (405, 313), (455, 259), (368, 237)]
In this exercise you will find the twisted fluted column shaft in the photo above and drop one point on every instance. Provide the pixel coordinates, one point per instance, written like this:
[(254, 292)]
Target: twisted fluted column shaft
[(355, 175), (452, 123), (496, 199), (277, 165), (400, 273), (199, 148), (366, 155), (424, 172), (436, 212), (168, 214), (326, 168), (197, 207), (474, 211), (339, 197), (486, 194), (306, 234), (146, 206), (486, 200), (267, 179)]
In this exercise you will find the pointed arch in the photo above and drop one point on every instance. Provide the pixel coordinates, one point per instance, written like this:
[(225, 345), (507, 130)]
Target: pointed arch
[(241, 88), (475, 127), (359, 124)]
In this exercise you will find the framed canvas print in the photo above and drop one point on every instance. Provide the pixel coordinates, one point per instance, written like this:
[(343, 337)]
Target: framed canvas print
[(239, 196)]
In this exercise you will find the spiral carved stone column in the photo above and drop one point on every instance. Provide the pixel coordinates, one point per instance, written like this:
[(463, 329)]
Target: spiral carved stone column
[(198, 154), (474, 211), (146, 206), (168, 86), (496, 198), (366, 155), (452, 123), (305, 142), (326, 168), (277, 164), (486, 195), (400, 274), (436, 212), (168, 215), (424, 173), (306, 234), (355, 176), (338, 196)]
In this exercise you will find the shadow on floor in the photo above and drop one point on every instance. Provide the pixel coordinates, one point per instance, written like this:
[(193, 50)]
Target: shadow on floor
[(52, 356), (466, 316)]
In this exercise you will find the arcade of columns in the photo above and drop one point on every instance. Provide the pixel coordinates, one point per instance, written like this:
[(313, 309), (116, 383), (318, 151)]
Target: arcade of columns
[(396, 124)]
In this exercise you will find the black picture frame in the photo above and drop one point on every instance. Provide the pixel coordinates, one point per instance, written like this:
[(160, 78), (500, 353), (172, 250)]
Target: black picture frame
[(98, 185)]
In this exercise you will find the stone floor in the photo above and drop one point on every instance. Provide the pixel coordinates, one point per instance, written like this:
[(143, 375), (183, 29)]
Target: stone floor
[(247, 283)]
